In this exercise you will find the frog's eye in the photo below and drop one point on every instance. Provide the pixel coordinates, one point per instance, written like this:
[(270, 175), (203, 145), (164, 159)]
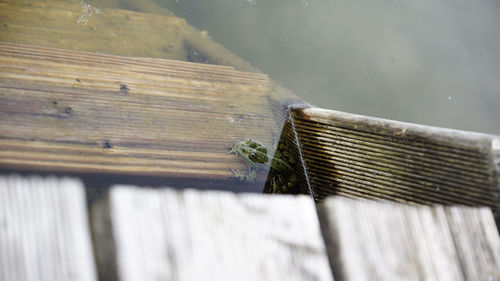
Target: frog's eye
[(252, 156)]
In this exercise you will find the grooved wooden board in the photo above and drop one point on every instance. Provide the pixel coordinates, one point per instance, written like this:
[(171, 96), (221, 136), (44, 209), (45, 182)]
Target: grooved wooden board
[(44, 230), (65, 110), (163, 234), (360, 156)]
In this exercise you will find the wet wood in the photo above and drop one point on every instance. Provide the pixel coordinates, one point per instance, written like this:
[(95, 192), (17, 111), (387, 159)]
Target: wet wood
[(65, 110), (154, 32), (360, 156), (115, 31), (144, 116), (44, 231), (369, 240), (153, 234)]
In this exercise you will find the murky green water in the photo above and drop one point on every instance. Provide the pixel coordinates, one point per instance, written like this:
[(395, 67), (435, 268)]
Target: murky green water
[(427, 62)]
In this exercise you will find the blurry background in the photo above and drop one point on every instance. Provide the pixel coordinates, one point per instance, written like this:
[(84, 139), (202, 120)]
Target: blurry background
[(428, 62)]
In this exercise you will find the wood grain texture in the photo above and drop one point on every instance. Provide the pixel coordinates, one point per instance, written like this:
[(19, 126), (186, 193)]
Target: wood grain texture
[(114, 29), (65, 110), (360, 156), (44, 231), (369, 240), (164, 234)]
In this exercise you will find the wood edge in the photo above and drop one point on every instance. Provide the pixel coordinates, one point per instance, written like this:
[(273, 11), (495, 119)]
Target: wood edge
[(330, 237), (465, 139), (104, 239), (495, 158), (216, 52)]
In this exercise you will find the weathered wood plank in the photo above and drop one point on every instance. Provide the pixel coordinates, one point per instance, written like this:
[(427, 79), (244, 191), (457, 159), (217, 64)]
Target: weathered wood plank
[(360, 156), (55, 23), (65, 110), (44, 231), (146, 234), (369, 240), (123, 115), (156, 33)]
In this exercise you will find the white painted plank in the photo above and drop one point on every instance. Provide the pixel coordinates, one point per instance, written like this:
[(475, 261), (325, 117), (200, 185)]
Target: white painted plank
[(163, 234), (369, 240), (44, 231)]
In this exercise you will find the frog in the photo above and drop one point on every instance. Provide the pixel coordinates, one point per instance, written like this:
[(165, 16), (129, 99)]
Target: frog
[(260, 158)]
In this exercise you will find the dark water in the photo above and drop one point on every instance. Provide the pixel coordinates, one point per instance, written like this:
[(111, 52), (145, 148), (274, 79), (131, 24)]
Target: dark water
[(427, 62)]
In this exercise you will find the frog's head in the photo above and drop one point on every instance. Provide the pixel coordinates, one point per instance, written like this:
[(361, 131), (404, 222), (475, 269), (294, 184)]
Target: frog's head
[(253, 152)]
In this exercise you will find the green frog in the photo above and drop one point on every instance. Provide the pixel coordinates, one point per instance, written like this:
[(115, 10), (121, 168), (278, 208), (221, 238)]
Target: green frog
[(261, 159)]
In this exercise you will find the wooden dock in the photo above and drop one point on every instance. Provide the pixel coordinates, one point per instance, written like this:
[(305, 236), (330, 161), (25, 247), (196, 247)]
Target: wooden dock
[(152, 234), (84, 114), (139, 133), (80, 113)]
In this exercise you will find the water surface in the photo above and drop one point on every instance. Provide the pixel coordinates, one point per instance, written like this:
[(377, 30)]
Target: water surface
[(427, 62)]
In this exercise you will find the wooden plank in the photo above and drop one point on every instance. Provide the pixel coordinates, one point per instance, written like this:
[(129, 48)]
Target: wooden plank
[(154, 32), (44, 231), (360, 156), (369, 240), (174, 119), (120, 32), (153, 234), (65, 110)]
